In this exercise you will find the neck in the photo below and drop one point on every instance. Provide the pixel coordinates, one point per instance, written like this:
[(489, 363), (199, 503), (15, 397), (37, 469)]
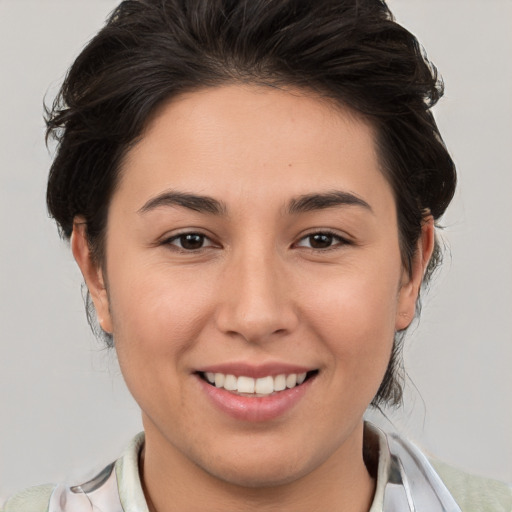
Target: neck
[(172, 482)]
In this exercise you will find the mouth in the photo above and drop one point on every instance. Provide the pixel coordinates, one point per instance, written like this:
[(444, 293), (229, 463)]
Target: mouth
[(243, 385)]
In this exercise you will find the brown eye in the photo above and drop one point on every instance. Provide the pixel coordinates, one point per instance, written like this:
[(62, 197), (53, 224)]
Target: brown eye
[(190, 241), (321, 241)]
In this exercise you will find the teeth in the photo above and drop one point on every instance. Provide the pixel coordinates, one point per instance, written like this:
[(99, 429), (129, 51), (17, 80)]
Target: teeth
[(219, 380), (291, 380), (262, 386), (280, 383), (231, 383), (245, 385)]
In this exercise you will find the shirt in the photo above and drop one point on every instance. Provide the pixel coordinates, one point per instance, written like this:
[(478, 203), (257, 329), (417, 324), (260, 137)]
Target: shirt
[(406, 481)]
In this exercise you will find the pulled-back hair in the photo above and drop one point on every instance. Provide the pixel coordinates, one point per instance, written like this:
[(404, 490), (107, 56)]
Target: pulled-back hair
[(351, 51)]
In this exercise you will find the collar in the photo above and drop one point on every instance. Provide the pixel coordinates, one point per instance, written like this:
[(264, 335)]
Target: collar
[(406, 481)]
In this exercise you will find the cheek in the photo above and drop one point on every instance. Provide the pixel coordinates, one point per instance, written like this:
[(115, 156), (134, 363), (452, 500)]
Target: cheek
[(157, 312), (157, 318), (355, 317)]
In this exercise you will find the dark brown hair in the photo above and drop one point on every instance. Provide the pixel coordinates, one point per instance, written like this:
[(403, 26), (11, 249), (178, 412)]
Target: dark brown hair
[(351, 51)]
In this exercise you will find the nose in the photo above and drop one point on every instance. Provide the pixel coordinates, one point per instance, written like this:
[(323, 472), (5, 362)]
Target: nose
[(256, 298)]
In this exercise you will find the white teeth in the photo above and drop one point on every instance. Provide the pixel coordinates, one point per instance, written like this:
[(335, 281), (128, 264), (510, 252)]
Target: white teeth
[(264, 386), (245, 385), (261, 386), (219, 380), (231, 383), (280, 383), (291, 380)]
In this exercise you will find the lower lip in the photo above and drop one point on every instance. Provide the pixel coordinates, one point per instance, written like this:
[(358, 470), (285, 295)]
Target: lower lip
[(255, 409)]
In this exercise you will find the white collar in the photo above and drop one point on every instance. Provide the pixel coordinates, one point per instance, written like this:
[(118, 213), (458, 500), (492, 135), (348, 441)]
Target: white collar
[(406, 482)]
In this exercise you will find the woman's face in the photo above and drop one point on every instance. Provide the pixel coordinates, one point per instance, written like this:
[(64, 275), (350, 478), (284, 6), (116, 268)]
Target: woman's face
[(252, 239)]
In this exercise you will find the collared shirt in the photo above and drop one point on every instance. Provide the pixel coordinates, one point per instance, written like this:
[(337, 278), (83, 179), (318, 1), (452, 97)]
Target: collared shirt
[(406, 482)]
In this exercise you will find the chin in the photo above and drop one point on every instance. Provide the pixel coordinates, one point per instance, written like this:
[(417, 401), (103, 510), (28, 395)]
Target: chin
[(259, 475), (259, 467)]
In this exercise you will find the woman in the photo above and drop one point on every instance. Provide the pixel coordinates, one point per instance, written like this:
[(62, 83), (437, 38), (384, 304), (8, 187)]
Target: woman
[(251, 189)]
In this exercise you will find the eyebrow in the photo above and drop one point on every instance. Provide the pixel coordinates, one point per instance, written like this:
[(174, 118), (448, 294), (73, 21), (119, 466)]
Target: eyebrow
[(331, 199), (301, 204), (198, 203)]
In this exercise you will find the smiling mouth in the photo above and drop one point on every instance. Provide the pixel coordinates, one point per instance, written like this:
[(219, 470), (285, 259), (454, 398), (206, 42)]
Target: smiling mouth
[(256, 387)]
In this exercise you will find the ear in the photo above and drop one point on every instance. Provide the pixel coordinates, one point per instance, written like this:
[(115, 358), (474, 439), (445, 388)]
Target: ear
[(92, 273), (411, 281)]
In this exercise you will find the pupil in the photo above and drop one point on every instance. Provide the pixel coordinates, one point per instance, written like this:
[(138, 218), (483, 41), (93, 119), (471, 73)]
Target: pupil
[(192, 241), (320, 241)]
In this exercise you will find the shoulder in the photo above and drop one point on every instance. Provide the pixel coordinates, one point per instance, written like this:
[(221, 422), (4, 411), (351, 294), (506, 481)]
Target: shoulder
[(33, 499), (474, 493), (117, 484), (429, 483)]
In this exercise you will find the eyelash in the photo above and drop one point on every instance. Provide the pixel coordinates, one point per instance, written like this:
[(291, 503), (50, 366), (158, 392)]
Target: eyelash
[(340, 241), (174, 238)]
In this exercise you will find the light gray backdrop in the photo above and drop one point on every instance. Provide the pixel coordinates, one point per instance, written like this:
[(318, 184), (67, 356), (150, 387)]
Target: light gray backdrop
[(64, 409)]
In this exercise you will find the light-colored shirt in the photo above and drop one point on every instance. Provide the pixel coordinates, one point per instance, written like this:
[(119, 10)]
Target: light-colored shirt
[(406, 482)]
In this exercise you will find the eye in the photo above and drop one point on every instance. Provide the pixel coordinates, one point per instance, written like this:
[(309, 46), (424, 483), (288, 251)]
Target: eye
[(190, 241), (321, 240)]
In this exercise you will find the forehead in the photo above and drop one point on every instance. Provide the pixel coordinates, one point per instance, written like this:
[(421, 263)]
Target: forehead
[(244, 141)]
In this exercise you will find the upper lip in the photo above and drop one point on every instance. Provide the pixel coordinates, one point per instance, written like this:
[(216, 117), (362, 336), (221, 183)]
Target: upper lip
[(255, 370)]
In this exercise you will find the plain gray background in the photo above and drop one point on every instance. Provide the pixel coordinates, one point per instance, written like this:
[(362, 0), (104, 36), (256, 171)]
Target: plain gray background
[(64, 409)]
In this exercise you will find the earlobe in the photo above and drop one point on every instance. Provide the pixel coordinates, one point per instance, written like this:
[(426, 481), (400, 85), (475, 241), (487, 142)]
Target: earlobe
[(92, 273), (411, 284)]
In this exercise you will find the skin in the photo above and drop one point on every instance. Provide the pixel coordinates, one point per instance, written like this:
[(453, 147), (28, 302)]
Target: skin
[(256, 291)]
